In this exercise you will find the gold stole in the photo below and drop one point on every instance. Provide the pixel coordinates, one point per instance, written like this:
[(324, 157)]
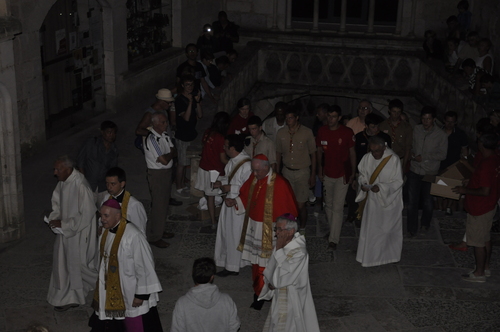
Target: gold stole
[(233, 172), (267, 223), (115, 305), (374, 176), (126, 199)]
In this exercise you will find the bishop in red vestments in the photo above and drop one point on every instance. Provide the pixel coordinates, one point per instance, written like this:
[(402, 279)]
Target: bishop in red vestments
[(263, 198)]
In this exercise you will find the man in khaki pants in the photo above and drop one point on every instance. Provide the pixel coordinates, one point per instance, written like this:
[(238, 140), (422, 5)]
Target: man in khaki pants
[(335, 143)]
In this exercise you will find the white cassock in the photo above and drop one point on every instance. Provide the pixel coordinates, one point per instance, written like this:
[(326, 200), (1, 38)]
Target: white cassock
[(292, 308), (136, 269), (74, 270), (230, 223), (136, 213), (381, 235)]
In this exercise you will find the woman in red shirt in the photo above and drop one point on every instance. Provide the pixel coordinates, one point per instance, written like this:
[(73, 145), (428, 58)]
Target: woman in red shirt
[(213, 158)]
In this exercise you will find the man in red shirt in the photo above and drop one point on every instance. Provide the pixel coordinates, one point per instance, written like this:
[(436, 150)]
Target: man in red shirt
[(336, 143), (481, 196)]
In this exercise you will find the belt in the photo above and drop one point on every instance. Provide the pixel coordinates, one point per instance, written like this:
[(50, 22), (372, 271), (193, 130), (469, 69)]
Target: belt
[(293, 169)]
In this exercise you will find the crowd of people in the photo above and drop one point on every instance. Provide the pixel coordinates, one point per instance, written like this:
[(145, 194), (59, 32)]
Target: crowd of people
[(467, 54), (264, 172)]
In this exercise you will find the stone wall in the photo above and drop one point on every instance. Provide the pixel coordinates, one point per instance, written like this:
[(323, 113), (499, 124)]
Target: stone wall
[(256, 14)]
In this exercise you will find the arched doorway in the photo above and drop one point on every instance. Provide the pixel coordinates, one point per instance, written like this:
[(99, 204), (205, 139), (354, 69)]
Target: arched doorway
[(71, 46)]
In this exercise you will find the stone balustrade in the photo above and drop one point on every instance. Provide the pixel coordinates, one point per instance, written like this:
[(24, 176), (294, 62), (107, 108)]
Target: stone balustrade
[(342, 70)]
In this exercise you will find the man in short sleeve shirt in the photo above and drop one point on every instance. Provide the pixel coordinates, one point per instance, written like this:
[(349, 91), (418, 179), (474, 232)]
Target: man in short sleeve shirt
[(295, 146), (335, 144)]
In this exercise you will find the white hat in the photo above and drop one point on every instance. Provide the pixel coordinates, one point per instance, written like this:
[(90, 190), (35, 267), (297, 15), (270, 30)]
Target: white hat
[(165, 94)]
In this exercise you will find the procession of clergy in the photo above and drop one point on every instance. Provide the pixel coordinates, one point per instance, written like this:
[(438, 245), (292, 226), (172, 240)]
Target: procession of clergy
[(258, 227)]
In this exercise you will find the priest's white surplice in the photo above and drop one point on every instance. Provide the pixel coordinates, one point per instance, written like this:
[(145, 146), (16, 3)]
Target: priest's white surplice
[(74, 270), (136, 213), (230, 223), (381, 235), (136, 269), (292, 308)]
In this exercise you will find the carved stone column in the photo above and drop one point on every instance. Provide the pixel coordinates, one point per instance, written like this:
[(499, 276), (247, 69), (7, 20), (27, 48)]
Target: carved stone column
[(371, 17), (343, 14), (288, 26), (399, 19), (315, 17)]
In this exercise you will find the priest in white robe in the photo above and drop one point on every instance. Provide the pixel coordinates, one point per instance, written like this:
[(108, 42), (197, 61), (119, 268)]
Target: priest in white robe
[(287, 282), (380, 185), (127, 289), (132, 209), (74, 260), (237, 171)]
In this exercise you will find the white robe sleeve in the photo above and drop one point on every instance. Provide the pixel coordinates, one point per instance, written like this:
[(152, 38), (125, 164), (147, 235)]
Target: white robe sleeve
[(85, 215), (147, 280), (239, 178), (136, 214), (178, 319), (56, 207)]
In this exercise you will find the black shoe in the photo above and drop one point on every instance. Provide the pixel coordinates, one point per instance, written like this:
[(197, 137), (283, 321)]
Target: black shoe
[(257, 305), (350, 219), (174, 202), (224, 273), (65, 307)]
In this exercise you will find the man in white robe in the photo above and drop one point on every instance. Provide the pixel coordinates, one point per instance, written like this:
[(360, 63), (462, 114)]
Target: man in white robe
[(74, 260), (381, 235), (237, 171), (128, 286), (132, 209), (287, 282)]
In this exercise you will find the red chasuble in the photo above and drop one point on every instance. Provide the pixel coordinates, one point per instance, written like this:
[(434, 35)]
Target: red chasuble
[(283, 198)]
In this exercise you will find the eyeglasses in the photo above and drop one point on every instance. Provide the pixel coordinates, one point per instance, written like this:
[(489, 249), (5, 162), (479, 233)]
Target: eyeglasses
[(364, 108), (279, 229)]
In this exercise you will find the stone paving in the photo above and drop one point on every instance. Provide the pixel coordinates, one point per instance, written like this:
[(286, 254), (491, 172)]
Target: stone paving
[(423, 292)]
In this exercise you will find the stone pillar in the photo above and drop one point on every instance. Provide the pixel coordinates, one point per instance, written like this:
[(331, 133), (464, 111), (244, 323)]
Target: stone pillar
[(288, 26), (343, 14), (315, 16), (412, 19), (371, 17), (114, 20), (12, 225), (275, 16), (399, 19)]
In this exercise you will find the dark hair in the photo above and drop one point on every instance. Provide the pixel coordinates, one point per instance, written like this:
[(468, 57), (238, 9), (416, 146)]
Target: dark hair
[(323, 106), (335, 108), (254, 120), (187, 78), (489, 140), (372, 118), (207, 55), (452, 18), (224, 60), (190, 45), (484, 126), (469, 63), (472, 34), (203, 270), (222, 13), (235, 141), (464, 4), (292, 110), (451, 114), (232, 51), (207, 26), (455, 41), (396, 103), (118, 172), (485, 40), (429, 32), (281, 104), (220, 123), (487, 78), (243, 102), (428, 110), (108, 125)]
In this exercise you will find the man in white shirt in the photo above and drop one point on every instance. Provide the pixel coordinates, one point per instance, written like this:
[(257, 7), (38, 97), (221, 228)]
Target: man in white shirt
[(272, 125), (159, 152), (132, 209)]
